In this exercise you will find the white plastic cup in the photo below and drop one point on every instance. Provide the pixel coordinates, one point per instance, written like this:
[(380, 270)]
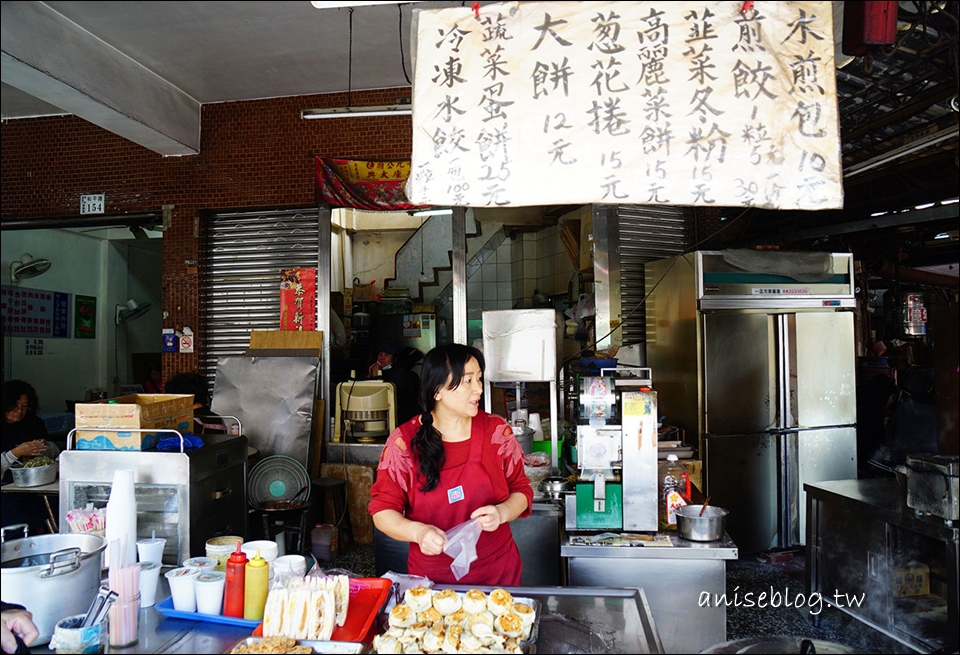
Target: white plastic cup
[(208, 588), (181, 589), (149, 579), (151, 550), (201, 564)]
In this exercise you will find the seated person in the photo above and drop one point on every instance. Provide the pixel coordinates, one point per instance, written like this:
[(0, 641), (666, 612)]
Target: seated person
[(23, 437), (205, 420), (406, 383)]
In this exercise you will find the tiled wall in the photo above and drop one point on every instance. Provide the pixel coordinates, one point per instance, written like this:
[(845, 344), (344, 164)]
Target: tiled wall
[(540, 264), (512, 272)]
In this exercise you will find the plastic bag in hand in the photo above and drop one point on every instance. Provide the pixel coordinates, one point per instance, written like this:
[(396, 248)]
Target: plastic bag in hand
[(462, 546)]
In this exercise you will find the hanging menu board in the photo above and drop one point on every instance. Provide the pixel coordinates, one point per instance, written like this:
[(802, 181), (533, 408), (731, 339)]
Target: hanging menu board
[(675, 103)]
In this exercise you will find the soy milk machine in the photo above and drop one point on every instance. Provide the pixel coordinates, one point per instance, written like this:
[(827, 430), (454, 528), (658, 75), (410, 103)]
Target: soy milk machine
[(616, 453)]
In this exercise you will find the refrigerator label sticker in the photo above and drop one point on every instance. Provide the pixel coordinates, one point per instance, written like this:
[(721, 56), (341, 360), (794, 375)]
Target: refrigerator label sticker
[(780, 291)]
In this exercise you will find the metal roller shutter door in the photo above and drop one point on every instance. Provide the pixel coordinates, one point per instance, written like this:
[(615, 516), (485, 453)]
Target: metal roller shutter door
[(241, 258)]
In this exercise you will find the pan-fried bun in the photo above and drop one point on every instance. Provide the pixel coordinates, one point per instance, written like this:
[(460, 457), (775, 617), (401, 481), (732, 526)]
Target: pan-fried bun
[(433, 640), (527, 615), (418, 598), (401, 616), (447, 601), (429, 615), (474, 601), (499, 601), (481, 624), (508, 624)]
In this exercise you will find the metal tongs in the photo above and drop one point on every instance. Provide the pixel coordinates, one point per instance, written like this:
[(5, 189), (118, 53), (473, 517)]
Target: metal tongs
[(99, 607)]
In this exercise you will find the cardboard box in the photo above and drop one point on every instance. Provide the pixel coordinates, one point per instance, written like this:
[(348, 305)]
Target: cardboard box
[(911, 580), (137, 411), (364, 293)]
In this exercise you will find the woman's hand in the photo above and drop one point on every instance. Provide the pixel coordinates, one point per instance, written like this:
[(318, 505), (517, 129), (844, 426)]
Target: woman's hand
[(431, 540), (29, 449), (490, 517)]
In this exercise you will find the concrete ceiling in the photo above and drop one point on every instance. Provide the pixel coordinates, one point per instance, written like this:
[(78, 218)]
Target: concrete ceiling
[(144, 69)]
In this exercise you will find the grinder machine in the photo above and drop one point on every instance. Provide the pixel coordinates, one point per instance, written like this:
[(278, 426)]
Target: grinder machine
[(616, 453)]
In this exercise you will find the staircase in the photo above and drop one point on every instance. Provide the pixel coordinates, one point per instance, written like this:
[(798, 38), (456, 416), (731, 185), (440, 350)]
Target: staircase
[(424, 264)]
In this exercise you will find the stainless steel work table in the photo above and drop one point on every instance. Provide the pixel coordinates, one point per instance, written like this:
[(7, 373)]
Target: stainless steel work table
[(863, 541), (674, 579), (572, 621)]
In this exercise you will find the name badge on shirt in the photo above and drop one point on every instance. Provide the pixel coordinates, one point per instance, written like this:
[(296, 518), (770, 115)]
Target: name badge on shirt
[(455, 495)]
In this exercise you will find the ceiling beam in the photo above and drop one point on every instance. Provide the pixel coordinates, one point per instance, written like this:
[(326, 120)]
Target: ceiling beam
[(892, 219), (52, 58)]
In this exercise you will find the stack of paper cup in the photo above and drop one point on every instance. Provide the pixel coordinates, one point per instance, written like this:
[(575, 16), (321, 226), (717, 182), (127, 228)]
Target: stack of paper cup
[(534, 424), (121, 518), (268, 551)]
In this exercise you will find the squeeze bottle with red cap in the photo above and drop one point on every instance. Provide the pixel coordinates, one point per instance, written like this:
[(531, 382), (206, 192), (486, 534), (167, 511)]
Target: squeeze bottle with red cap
[(256, 575), (233, 591)]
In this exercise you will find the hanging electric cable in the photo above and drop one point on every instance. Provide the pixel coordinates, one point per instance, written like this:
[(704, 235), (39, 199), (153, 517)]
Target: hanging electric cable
[(403, 63)]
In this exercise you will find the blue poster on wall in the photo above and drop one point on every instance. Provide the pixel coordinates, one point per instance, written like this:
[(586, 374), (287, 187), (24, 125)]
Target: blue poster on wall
[(35, 312)]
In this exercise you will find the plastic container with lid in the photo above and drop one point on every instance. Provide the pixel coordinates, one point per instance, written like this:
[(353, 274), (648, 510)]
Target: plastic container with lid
[(673, 488), (255, 588), (233, 596), (324, 542)]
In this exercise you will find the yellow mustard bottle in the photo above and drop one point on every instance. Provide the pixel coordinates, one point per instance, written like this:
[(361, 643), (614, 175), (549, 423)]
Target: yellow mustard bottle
[(255, 576)]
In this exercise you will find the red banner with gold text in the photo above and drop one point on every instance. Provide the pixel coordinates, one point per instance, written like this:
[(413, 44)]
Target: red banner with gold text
[(298, 299), (371, 185)]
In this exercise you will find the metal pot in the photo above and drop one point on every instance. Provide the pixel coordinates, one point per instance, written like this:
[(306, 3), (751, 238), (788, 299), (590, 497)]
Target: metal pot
[(554, 486), (525, 437), (34, 476), (709, 527), (53, 575)]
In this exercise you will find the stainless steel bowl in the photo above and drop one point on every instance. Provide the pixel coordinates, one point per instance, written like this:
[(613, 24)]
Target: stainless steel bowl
[(554, 486), (34, 476), (709, 527)]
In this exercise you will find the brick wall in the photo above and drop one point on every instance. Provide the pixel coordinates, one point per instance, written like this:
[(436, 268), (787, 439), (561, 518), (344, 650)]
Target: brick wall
[(253, 154)]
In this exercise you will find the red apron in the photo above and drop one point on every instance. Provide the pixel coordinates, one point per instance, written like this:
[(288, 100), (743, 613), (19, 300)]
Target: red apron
[(461, 490)]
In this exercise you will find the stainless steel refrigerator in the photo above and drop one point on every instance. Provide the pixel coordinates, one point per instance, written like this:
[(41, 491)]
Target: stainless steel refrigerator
[(753, 354)]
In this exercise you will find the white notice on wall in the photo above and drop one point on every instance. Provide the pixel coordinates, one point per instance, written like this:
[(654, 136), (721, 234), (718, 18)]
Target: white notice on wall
[(677, 103)]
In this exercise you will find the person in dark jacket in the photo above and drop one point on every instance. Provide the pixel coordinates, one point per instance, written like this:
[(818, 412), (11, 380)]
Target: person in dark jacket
[(406, 382), (23, 437)]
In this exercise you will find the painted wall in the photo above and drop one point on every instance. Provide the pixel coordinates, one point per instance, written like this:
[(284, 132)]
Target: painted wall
[(110, 271)]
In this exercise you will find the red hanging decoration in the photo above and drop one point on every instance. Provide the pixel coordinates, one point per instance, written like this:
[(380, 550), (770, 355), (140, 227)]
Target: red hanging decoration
[(476, 8), (747, 6)]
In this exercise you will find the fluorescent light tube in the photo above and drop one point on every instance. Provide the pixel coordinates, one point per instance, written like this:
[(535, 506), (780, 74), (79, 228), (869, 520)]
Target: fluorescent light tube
[(357, 112)]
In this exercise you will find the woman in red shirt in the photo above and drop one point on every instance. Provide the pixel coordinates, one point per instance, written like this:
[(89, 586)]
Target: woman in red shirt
[(452, 463)]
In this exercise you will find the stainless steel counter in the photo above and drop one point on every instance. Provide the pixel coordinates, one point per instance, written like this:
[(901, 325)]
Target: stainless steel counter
[(864, 542), (572, 621), (675, 579)]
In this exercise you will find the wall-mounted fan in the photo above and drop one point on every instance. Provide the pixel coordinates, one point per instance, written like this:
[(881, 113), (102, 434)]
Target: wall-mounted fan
[(131, 311), (28, 266)]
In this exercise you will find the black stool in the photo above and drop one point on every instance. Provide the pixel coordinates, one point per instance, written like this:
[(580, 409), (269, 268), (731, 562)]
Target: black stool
[(341, 513), (291, 520)]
